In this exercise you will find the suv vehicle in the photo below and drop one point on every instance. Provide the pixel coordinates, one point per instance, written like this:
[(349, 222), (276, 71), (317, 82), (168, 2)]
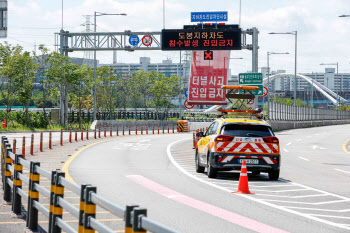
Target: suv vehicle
[(228, 142)]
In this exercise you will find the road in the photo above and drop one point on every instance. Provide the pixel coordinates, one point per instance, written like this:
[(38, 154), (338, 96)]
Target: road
[(157, 173)]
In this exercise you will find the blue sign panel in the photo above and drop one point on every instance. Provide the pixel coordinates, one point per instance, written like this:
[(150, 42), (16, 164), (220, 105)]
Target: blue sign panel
[(209, 16), (186, 92), (134, 40)]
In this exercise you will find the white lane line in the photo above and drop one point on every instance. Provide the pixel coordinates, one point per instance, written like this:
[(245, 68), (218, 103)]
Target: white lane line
[(171, 158), (285, 150), (341, 170), (326, 210), (298, 140), (288, 143), (307, 203), (294, 197), (281, 191), (279, 185), (304, 158), (329, 216)]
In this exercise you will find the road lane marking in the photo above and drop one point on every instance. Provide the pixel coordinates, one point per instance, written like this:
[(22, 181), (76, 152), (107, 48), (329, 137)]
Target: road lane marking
[(203, 206), (288, 143), (285, 150), (306, 203), (250, 197), (346, 143), (304, 158), (330, 216), (326, 210), (271, 195), (341, 170)]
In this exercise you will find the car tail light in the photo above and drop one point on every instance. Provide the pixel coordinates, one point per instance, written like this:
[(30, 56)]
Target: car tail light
[(270, 139), (224, 138)]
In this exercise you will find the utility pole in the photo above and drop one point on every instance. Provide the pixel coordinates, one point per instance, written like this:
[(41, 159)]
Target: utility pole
[(180, 99), (255, 48)]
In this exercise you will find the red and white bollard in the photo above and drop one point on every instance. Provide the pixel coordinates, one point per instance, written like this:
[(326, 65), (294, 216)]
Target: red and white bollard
[(87, 132), (173, 128), (24, 147), (95, 132), (41, 141), (70, 134), (129, 129), (61, 138), (76, 133), (142, 129), (194, 141), (158, 128), (147, 128), (14, 146), (168, 127), (50, 140), (110, 133), (136, 129), (32, 144), (105, 132), (123, 130), (163, 128), (82, 133), (117, 129), (99, 131), (153, 128)]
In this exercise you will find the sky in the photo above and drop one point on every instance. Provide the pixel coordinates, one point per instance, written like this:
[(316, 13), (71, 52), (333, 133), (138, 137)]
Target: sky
[(323, 37)]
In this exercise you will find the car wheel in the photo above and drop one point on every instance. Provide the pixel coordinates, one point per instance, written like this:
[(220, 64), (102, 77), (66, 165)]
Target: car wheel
[(255, 173), (199, 168), (274, 174), (211, 172)]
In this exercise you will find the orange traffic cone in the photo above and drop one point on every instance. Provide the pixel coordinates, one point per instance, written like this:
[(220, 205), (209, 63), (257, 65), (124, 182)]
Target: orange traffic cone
[(243, 187)]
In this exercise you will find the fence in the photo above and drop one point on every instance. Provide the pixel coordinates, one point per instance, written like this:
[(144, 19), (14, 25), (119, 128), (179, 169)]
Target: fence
[(87, 116), (12, 165), (282, 112)]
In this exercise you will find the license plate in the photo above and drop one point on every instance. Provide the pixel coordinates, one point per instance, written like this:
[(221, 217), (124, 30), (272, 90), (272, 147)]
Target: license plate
[(249, 161)]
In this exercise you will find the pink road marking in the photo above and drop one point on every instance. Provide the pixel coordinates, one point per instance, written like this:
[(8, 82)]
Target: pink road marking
[(205, 207)]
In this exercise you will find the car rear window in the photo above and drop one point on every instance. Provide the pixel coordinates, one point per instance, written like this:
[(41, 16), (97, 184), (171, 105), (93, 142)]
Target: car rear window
[(246, 130)]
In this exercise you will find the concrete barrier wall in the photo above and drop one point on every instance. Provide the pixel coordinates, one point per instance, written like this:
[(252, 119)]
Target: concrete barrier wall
[(276, 125), (132, 124)]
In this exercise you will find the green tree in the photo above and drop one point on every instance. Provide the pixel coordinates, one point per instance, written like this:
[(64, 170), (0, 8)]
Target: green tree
[(9, 72), (107, 86)]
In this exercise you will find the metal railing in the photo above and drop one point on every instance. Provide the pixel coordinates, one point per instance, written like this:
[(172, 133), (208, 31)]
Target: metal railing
[(283, 112), (12, 165)]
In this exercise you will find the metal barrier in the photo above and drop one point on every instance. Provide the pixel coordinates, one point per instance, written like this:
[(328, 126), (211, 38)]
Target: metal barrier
[(12, 165), (283, 112)]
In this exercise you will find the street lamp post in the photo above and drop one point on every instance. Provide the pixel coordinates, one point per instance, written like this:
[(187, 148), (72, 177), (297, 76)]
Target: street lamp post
[(340, 86), (295, 33), (344, 16), (268, 77), (95, 62)]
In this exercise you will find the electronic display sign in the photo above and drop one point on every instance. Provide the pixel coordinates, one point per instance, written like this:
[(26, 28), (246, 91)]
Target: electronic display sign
[(201, 39)]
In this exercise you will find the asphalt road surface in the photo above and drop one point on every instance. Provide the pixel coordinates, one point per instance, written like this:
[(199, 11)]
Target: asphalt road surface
[(157, 172)]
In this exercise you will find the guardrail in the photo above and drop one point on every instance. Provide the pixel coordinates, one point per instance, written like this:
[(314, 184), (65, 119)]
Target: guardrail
[(283, 112), (12, 165)]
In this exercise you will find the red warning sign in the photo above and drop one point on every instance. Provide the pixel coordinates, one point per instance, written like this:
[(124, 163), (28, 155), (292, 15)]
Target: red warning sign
[(147, 40)]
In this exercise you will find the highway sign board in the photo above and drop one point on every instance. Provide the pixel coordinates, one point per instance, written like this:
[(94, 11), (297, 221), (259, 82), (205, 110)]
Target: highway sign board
[(250, 78), (134, 40), (202, 39), (259, 92), (214, 16), (146, 40), (186, 92)]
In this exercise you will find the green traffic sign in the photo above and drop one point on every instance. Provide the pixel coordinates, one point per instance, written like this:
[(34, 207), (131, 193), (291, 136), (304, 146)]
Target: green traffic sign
[(250, 78), (259, 92)]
